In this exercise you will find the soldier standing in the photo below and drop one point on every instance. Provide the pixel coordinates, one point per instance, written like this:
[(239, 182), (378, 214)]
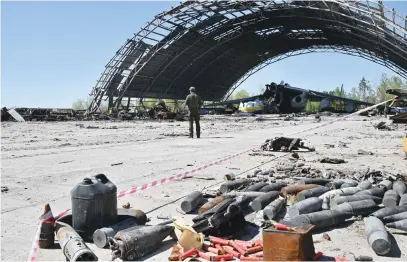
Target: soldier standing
[(194, 103)]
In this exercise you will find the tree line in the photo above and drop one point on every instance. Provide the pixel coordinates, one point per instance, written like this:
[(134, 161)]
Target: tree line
[(364, 91)]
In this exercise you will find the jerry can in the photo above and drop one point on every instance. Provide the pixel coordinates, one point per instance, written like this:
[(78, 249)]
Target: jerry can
[(94, 205)]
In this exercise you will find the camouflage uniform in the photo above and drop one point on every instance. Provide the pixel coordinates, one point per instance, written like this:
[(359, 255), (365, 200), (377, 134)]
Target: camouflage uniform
[(194, 103)]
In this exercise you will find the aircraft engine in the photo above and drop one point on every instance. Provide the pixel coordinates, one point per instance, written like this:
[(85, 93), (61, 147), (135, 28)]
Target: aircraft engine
[(299, 102), (325, 103), (350, 107)]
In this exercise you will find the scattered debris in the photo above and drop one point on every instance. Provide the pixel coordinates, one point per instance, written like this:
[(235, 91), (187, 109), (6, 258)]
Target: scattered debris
[(383, 126), (92, 127), (295, 155), (284, 144), (175, 134), (326, 236), (400, 118), (16, 115), (229, 177), (64, 162), (365, 153), (4, 189), (332, 160), (204, 178), (363, 258), (126, 206), (341, 144)]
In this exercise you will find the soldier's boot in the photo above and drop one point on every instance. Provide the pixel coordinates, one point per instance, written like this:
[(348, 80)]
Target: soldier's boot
[(191, 130), (198, 130)]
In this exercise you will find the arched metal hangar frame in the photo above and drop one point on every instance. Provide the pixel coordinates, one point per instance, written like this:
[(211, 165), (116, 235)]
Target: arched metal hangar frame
[(216, 45)]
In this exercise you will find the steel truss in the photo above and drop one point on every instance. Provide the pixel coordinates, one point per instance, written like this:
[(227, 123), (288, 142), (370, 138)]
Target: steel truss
[(217, 45)]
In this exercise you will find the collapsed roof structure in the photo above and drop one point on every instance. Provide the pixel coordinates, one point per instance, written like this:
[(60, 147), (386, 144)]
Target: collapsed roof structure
[(217, 45)]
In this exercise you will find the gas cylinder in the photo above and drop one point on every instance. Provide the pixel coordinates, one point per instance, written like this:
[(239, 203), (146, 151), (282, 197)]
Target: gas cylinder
[(72, 245), (306, 206), (191, 201), (134, 243), (377, 236), (388, 211), (391, 198), (274, 208), (94, 205), (356, 208), (400, 187)]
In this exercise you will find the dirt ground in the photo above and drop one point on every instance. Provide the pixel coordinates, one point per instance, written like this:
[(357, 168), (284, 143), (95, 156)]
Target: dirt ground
[(42, 162)]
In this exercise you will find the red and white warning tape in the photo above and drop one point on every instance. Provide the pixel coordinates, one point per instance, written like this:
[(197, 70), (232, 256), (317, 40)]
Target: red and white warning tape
[(133, 190), (177, 176)]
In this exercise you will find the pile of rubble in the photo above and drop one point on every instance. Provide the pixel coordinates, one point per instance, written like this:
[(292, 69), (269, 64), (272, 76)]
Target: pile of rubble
[(161, 111), (400, 118)]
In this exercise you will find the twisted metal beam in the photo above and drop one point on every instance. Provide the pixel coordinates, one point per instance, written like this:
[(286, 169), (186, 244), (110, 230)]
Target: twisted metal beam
[(217, 45)]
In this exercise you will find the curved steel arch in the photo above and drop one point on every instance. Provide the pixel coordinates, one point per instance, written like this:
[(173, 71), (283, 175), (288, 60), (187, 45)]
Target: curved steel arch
[(216, 45)]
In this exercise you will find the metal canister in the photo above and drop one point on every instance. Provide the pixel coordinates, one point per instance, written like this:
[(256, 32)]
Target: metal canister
[(400, 225), (376, 191), (212, 203), (231, 185), (262, 201), (274, 208), (306, 206), (273, 187), (320, 219), (328, 196), (72, 244), (191, 201), (337, 183), (282, 245), (377, 236), (391, 198), (294, 189), (136, 242), (101, 236), (346, 185), (395, 217), (403, 200), (387, 184), (400, 187), (229, 177), (94, 205), (343, 199), (361, 207), (313, 192), (256, 187), (364, 185), (388, 211), (317, 181)]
